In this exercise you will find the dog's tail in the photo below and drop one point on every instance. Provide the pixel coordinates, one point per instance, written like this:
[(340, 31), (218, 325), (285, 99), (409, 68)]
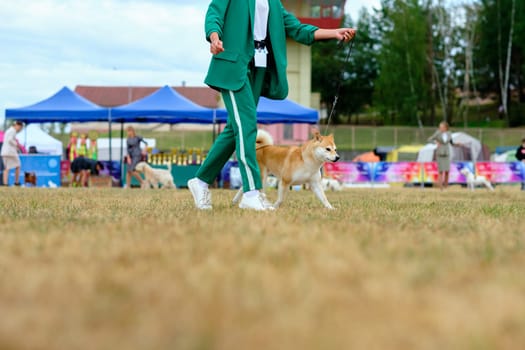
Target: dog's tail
[(263, 139), (169, 167)]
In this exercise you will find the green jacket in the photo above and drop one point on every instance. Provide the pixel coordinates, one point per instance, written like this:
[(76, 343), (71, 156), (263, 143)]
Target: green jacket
[(233, 21)]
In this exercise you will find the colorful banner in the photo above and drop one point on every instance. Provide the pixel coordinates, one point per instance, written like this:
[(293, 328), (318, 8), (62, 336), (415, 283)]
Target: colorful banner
[(400, 172), (46, 169), (501, 172), (347, 172), (65, 169), (455, 175), (111, 168)]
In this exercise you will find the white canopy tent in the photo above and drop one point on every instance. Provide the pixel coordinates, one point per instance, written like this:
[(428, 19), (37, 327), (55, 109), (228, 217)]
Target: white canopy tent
[(103, 147), (426, 154), (33, 135)]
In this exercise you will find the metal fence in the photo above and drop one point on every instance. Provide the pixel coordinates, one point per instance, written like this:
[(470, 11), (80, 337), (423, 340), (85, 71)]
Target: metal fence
[(366, 138)]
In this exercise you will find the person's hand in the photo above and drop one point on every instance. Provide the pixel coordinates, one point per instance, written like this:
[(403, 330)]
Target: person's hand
[(216, 44), (345, 34)]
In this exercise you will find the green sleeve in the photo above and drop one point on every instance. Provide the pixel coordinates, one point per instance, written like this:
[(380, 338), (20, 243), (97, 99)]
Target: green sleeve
[(302, 33), (215, 17)]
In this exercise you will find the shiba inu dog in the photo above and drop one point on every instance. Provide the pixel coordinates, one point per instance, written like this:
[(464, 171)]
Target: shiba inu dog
[(295, 165)]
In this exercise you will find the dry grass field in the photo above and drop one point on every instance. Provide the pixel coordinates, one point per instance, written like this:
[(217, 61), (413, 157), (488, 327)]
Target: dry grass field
[(389, 269)]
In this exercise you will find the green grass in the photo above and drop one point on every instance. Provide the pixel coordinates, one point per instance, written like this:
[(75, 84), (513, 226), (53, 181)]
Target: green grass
[(389, 269)]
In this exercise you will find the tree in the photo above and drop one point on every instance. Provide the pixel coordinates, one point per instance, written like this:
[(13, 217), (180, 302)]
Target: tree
[(402, 89), (447, 31), (415, 61), (499, 53), (469, 36), (326, 72), (504, 73), (362, 69), (355, 76)]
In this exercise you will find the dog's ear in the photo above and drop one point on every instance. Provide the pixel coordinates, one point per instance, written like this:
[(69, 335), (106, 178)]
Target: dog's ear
[(316, 134)]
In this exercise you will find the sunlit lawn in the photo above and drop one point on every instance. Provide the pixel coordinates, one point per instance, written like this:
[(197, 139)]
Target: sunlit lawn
[(389, 269)]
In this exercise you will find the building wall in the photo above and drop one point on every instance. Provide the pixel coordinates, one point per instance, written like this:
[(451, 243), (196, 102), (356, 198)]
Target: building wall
[(298, 8), (300, 133), (299, 73), (299, 80), (300, 90)]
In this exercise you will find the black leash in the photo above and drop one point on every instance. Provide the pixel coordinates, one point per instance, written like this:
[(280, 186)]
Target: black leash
[(339, 82)]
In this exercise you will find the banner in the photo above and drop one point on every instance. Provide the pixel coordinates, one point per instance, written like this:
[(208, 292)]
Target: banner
[(455, 175), (501, 172), (112, 168), (65, 169), (347, 172), (401, 172), (46, 169)]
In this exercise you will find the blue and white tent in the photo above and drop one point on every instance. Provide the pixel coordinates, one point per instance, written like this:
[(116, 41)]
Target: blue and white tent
[(164, 106), (281, 111), (65, 106)]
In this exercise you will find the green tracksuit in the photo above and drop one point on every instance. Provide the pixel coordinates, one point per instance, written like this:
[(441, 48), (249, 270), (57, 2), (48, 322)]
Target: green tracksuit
[(233, 74)]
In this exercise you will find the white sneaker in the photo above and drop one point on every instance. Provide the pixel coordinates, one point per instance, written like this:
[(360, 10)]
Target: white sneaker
[(201, 196), (255, 203), (268, 205)]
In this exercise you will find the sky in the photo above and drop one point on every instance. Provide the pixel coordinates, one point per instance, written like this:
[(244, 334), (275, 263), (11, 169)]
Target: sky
[(47, 44)]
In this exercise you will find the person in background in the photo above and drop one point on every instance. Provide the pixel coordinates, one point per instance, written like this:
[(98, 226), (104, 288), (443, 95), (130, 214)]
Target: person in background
[(71, 149), (520, 155), (443, 138), (82, 150), (134, 155), (82, 168), (248, 42), (9, 153), (93, 147)]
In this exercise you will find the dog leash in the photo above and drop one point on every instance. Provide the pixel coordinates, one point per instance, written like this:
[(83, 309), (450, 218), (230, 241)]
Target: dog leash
[(340, 81)]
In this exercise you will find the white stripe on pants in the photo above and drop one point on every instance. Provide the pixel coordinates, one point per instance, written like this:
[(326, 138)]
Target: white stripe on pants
[(237, 118)]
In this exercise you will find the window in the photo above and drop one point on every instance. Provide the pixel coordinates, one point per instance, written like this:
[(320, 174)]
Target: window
[(326, 8)]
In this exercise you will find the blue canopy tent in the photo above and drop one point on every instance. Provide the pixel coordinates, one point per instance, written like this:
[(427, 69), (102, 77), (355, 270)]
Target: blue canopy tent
[(65, 106), (285, 111), (281, 111), (164, 106)]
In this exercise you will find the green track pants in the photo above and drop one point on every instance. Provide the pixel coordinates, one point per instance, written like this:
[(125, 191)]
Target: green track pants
[(239, 135)]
